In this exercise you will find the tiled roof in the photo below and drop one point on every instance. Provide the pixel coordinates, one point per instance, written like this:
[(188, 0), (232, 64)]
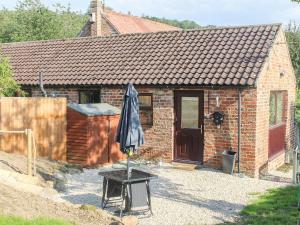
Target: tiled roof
[(127, 24), (220, 56)]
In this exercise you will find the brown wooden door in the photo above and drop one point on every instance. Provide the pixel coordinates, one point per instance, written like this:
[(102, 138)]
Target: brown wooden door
[(189, 115)]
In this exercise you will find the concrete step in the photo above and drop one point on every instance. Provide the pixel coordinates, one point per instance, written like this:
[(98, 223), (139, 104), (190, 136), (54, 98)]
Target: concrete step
[(185, 166)]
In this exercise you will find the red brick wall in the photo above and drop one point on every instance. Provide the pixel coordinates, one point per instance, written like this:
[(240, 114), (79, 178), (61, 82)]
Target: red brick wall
[(159, 137), (219, 139), (270, 80), (106, 29)]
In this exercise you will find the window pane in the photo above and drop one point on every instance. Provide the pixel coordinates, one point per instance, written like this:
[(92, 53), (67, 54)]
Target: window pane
[(87, 97), (146, 110), (95, 97), (84, 98), (145, 100), (272, 113), (189, 112), (279, 110), (146, 116)]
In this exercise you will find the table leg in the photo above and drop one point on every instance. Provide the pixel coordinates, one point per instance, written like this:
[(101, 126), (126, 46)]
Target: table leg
[(123, 198), (129, 198), (149, 196), (104, 193)]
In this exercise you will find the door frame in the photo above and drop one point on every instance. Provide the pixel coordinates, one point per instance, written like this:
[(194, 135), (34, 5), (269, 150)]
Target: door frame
[(177, 107), (277, 131)]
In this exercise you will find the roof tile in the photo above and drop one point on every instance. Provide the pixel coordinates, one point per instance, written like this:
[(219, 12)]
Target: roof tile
[(219, 56)]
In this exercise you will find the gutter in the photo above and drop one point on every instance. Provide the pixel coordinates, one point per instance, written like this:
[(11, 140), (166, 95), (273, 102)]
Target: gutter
[(41, 84), (239, 127)]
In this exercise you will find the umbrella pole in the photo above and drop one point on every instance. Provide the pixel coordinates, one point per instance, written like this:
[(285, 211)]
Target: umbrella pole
[(128, 160)]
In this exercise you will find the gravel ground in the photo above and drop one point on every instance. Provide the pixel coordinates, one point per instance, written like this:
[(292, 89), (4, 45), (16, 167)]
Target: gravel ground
[(180, 197)]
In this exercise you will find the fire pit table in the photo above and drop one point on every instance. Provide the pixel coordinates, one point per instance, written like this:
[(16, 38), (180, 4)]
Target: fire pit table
[(133, 190)]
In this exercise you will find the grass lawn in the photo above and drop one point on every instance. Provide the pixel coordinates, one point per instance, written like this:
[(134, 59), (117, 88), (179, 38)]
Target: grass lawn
[(276, 207), (11, 220)]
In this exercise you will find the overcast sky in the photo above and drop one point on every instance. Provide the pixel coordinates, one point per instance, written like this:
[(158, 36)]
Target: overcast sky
[(204, 12)]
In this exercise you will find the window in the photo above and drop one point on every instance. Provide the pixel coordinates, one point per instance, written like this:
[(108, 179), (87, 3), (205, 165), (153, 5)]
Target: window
[(276, 108), (146, 109), (86, 97), (190, 112)]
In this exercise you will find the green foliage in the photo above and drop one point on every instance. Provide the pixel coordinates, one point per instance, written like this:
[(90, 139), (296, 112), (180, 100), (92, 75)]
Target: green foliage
[(12, 220), (293, 39), (185, 24), (276, 207), (31, 20), (8, 86)]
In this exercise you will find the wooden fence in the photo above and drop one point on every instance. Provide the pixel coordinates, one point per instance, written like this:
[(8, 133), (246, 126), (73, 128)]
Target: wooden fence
[(46, 117)]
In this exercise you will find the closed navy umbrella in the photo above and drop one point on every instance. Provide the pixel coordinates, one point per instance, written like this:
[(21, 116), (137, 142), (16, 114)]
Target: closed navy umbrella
[(130, 133)]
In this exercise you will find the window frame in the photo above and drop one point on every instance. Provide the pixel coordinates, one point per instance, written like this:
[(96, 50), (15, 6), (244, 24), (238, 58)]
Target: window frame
[(146, 108), (276, 94), (88, 90)]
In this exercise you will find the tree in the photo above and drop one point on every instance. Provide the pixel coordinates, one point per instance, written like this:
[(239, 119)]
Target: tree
[(293, 39), (184, 24), (8, 86), (31, 20)]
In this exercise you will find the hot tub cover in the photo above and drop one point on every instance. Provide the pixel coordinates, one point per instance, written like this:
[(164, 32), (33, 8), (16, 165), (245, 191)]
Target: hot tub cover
[(99, 109)]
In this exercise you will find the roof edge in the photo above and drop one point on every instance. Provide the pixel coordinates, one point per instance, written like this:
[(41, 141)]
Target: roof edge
[(268, 56), (174, 86), (141, 34), (111, 24)]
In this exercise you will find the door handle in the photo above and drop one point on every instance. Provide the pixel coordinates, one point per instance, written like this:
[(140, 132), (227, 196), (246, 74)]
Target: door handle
[(200, 128)]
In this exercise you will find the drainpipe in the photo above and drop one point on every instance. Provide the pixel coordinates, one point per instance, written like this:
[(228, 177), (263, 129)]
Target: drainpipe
[(41, 83), (239, 127)]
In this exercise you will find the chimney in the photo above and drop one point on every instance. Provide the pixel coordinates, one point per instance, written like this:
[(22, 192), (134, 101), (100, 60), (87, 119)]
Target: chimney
[(96, 17)]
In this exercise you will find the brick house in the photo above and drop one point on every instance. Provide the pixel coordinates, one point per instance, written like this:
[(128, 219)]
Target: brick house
[(183, 77), (105, 22)]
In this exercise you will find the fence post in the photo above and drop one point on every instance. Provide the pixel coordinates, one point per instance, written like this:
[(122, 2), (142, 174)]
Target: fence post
[(34, 154), (29, 151)]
